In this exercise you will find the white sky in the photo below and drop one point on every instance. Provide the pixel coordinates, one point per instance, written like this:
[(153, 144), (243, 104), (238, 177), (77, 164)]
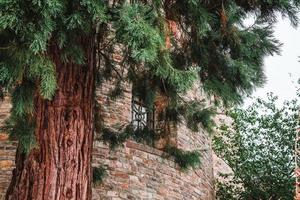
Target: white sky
[(282, 70)]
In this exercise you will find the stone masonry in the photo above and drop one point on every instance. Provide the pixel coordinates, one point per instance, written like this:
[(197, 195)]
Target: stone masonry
[(7, 150), (138, 171)]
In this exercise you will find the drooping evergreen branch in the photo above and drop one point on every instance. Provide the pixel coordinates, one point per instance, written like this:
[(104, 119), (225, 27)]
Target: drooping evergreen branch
[(21, 129), (194, 113), (115, 139), (98, 174), (184, 159)]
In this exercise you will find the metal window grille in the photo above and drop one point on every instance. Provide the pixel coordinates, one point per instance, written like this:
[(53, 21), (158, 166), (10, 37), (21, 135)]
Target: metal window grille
[(142, 116)]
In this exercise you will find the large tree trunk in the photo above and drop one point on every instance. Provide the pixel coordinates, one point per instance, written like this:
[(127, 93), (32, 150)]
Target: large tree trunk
[(60, 166)]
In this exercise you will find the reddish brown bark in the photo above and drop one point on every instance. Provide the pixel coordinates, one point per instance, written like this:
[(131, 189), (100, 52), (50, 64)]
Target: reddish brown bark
[(60, 167)]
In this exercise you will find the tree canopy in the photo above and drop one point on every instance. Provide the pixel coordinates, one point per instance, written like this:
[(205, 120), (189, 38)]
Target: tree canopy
[(217, 47), (259, 147), (228, 54)]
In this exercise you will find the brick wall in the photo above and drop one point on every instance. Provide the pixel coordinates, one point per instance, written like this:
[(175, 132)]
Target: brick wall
[(5, 107), (7, 150), (7, 159), (137, 171)]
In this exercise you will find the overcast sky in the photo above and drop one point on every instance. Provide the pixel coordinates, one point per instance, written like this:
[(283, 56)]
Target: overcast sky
[(282, 70)]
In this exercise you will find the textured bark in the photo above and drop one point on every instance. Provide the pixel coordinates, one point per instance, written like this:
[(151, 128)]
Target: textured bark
[(60, 167)]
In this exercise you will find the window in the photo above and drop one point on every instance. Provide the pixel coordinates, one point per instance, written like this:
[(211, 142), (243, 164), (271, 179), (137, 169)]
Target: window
[(142, 116)]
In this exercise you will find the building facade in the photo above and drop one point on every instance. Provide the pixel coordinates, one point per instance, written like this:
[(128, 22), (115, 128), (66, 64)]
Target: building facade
[(135, 170)]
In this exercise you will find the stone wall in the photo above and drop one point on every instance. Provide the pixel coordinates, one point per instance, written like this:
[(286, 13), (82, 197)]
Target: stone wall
[(7, 150), (5, 107), (7, 163), (137, 171)]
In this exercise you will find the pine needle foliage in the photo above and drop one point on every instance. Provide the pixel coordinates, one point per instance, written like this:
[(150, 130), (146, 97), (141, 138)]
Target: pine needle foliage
[(136, 29), (185, 159), (21, 129), (217, 47), (115, 139), (193, 112), (197, 114), (230, 54), (98, 174)]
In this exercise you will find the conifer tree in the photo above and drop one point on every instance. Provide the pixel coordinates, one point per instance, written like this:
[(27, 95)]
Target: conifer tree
[(48, 58)]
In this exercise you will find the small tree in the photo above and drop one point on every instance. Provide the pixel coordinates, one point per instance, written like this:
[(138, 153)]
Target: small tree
[(259, 147)]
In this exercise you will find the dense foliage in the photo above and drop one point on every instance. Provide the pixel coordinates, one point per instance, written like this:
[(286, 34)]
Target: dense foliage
[(216, 47), (259, 147)]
